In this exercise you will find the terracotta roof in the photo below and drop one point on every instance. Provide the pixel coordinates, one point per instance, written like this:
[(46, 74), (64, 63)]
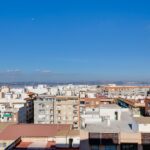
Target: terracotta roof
[(4, 125), (68, 133), (13, 132), (133, 103)]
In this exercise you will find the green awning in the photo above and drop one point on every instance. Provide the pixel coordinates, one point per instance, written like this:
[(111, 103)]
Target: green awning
[(7, 115)]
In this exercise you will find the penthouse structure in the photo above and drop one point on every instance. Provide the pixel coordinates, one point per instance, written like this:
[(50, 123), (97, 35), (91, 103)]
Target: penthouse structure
[(58, 110)]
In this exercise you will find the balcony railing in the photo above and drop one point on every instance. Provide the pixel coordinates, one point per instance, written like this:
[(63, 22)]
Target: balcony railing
[(103, 138)]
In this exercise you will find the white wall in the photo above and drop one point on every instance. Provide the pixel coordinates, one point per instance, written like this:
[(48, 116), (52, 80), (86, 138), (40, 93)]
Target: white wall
[(61, 142), (144, 128), (110, 113), (18, 105), (76, 141), (64, 142)]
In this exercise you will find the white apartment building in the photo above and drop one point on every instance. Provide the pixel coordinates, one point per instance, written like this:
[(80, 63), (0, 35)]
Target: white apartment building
[(12, 110), (127, 92)]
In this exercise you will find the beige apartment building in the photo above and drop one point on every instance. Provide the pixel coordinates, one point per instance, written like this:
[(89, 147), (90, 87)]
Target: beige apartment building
[(67, 111), (57, 110)]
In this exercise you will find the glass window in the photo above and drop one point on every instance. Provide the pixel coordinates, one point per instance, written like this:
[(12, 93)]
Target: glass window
[(111, 147), (95, 147), (129, 147)]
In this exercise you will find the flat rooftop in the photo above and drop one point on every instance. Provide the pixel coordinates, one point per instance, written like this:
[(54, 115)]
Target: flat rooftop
[(142, 120), (114, 126)]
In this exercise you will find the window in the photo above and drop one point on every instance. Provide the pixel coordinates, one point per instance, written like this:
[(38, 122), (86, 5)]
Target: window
[(70, 143), (110, 147), (75, 123), (82, 102), (128, 146), (116, 115), (58, 100), (94, 147)]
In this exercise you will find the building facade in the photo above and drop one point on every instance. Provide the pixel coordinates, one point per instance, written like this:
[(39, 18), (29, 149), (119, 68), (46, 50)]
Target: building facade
[(57, 110)]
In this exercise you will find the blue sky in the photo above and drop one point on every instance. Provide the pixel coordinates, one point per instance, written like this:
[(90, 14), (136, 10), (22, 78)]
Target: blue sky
[(74, 40)]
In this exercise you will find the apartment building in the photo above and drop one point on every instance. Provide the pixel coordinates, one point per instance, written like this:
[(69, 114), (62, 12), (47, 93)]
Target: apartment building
[(67, 110), (44, 110), (16, 105), (30, 108), (12, 110), (57, 110), (40, 89), (128, 92)]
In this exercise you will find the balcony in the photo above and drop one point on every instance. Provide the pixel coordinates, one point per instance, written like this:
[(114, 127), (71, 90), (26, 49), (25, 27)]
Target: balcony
[(75, 113), (103, 138), (75, 118), (42, 112), (75, 106), (41, 119), (58, 108)]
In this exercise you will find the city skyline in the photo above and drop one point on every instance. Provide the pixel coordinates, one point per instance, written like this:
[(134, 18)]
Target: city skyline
[(74, 40)]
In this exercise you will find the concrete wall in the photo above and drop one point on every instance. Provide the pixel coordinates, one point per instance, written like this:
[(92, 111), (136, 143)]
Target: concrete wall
[(64, 141), (61, 142), (144, 128), (130, 138), (110, 113), (76, 141)]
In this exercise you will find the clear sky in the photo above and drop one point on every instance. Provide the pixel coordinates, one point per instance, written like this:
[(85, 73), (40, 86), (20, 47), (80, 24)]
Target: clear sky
[(74, 39)]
